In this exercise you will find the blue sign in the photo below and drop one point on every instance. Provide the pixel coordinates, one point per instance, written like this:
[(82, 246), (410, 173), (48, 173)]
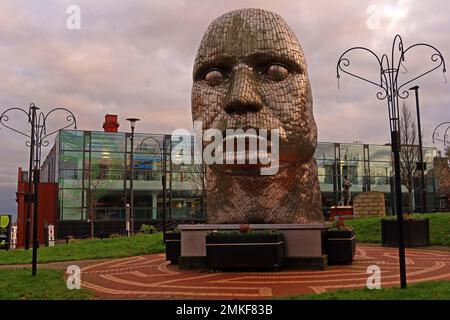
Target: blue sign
[(145, 162)]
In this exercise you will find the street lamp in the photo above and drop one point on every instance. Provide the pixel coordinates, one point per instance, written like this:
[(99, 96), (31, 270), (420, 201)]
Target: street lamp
[(163, 155), (133, 125), (423, 196), (38, 138), (390, 90)]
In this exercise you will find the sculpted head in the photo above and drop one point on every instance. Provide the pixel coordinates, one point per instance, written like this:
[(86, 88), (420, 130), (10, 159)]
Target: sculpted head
[(250, 72)]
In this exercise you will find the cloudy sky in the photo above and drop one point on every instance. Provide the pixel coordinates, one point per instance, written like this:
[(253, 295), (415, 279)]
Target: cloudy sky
[(134, 58)]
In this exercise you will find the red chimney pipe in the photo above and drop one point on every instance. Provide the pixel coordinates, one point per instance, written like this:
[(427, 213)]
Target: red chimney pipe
[(111, 124)]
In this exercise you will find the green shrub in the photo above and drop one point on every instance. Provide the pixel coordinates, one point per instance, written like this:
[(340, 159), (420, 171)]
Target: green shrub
[(147, 229)]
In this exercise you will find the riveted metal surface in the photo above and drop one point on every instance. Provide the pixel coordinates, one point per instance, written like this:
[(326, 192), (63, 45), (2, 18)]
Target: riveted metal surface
[(243, 45)]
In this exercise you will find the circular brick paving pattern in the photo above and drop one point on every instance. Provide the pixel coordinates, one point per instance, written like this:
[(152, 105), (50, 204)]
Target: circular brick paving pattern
[(151, 277)]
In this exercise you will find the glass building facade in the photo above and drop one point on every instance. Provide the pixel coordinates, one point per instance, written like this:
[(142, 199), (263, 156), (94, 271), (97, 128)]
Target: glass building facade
[(93, 173), (92, 170)]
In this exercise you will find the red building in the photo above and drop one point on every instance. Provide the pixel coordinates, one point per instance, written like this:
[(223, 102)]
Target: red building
[(47, 210)]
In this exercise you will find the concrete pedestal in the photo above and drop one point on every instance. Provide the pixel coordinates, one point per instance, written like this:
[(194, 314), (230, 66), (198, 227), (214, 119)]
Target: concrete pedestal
[(305, 243)]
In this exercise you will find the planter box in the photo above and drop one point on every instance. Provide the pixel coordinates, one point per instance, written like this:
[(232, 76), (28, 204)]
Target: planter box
[(341, 246), (173, 246), (416, 232), (245, 251)]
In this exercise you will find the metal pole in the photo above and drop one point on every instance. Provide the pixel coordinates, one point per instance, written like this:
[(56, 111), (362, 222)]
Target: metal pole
[(131, 181), (164, 188), (133, 124), (170, 177), (395, 138), (35, 219), (30, 179), (390, 90), (423, 196)]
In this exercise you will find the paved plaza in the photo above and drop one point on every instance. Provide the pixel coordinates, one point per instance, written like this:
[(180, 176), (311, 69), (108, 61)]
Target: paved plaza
[(152, 277)]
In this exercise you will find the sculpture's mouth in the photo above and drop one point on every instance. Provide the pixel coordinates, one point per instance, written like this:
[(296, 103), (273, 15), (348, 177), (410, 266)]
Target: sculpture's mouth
[(247, 147)]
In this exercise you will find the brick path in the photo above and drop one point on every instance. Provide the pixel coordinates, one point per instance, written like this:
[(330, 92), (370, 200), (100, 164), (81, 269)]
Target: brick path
[(151, 277)]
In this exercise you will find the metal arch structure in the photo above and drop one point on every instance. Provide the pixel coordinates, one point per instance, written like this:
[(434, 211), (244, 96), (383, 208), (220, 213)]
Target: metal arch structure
[(37, 137), (444, 138), (391, 90)]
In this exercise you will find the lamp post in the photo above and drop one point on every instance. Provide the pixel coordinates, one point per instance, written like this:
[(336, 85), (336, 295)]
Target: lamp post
[(163, 155), (391, 90), (423, 196), (133, 125), (36, 139)]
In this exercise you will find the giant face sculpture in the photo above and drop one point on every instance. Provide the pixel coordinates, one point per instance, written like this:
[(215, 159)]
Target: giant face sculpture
[(250, 72)]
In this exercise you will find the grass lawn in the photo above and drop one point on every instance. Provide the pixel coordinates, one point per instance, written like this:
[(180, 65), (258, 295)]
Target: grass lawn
[(369, 229), (89, 249), (437, 290), (18, 284)]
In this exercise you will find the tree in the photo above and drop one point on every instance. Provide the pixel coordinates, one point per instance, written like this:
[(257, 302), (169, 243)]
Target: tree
[(447, 151), (99, 178), (409, 152), (198, 181)]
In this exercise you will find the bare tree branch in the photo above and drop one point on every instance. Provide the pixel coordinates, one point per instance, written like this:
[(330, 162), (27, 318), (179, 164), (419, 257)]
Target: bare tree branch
[(409, 154)]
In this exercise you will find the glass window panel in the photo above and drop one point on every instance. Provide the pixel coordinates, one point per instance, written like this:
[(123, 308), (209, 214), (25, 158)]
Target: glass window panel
[(87, 140), (72, 140), (105, 174), (107, 141), (71, 213), (70, 198), (351, 152), (379, 153), (71, 160), (107, 161), (380, 168), (354, 170), (380, 172), (146, 143), (70, 178), (428, 155), (324, 150), (146, 175)]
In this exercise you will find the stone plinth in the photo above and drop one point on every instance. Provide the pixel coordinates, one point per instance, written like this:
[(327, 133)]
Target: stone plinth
[(305, 243), (342, 212), (369, 204)]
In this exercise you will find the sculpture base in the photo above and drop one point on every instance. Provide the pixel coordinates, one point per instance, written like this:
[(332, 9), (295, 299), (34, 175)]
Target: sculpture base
[(341, 213), (305, 243)]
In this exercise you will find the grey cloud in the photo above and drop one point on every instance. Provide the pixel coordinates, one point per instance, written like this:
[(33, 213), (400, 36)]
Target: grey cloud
[(134, 58)]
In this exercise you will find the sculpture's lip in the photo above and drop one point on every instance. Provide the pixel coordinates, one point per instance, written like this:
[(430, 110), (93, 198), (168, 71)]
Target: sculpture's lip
[(251, 132), (246, 147), (246, 169)]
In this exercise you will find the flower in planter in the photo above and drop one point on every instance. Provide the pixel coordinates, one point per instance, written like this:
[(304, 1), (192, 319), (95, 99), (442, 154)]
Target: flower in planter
[(407, 215), (340, 225), (244, 228)]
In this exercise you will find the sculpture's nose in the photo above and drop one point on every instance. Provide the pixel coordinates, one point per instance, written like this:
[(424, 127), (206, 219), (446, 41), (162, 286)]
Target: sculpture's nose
[(242, 96)]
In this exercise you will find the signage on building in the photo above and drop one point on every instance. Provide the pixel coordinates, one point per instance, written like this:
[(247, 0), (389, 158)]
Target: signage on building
[(13, 244), (50, 236), (5, 230), (145, 162)]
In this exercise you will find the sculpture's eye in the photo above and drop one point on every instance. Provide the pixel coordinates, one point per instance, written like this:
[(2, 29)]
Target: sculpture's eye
[(277, 72), (213, 77)]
